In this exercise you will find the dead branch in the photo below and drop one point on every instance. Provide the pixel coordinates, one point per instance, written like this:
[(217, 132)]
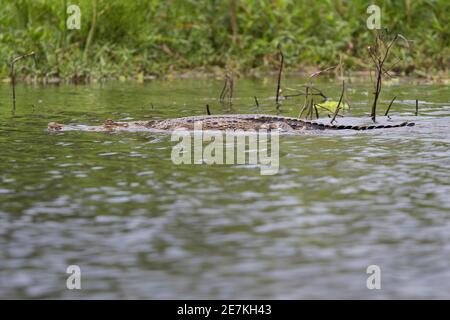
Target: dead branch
[(303, 94), (228, 88), (310, 109), (304, 104), (379, 60), (389, 107), (279, 78), (224, 89), (13, 74), (317, 111), (230, 92), (256, 102), (323, 71), (339, 103)]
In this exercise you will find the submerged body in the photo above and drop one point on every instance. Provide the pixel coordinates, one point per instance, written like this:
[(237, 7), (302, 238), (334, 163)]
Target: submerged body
[(231, 122)]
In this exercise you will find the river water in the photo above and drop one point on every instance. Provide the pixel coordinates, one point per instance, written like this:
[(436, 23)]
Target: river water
[(139, 226)]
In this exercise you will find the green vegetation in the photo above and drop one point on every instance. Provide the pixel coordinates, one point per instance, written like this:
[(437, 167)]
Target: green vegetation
[(144, 38)]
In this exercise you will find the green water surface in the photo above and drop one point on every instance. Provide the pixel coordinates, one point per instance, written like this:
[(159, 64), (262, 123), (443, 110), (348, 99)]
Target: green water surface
[(141, 227)]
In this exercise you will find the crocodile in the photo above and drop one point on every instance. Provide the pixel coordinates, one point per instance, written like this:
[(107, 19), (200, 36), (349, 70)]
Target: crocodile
[(231, 122)]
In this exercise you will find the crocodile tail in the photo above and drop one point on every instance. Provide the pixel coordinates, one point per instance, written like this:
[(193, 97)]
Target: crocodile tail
[(380, 126), (297, 123), (317, 125)]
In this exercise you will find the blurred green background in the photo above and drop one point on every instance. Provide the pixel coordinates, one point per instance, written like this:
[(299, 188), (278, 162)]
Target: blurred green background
[(144, 38)]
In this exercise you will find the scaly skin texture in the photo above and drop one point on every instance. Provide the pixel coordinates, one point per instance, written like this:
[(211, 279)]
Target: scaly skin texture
[(224, 122)]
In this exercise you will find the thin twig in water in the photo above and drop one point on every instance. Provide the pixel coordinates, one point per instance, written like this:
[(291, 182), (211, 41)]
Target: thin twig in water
[(317, 111), (337, 115), (13, 75), (279, 78), (379, 62), (339, 103), (417, 107), (302, 94), (256, 101), (230, 93), (389, 107), (228, 88), (324, 108), (207, 110), (318, 92), (310, 109), (224, 89), (304, 104), (322, 71), (346, 100)]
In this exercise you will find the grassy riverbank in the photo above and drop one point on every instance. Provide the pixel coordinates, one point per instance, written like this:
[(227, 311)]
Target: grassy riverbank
[(141, 39)]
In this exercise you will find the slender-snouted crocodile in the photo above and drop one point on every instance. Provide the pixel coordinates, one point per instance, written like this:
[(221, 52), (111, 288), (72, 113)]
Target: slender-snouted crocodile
[(227, 122)]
